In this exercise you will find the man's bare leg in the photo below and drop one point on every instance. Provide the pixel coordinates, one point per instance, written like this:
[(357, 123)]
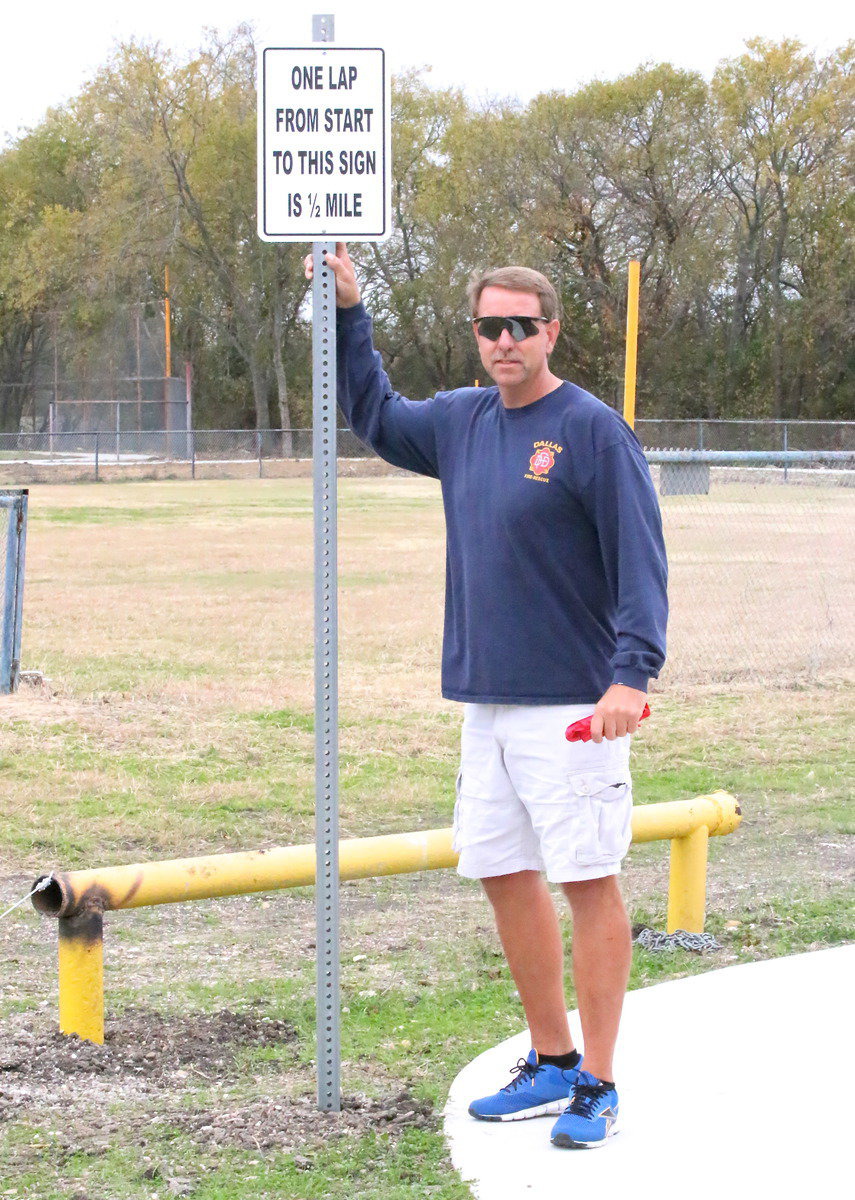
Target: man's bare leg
[(602, 954), (531, 938)]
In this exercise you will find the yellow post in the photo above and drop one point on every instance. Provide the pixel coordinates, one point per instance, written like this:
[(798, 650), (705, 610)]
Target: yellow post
[(81, 976), (167, 321), (633, 286), (687, 888)]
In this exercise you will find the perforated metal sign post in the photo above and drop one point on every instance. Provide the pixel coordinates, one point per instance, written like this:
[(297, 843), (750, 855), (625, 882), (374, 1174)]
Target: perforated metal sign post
[(324, 459), (323, 172)]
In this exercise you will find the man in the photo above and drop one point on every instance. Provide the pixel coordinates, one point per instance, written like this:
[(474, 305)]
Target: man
[(555, 610)]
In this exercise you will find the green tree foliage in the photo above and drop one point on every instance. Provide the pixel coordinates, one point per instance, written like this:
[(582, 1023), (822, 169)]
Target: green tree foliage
[(782, 145), (184, 146), (43, 198), (733, 194)]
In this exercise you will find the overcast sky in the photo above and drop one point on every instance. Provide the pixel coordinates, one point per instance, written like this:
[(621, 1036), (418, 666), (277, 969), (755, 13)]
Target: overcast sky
[(489, 47)]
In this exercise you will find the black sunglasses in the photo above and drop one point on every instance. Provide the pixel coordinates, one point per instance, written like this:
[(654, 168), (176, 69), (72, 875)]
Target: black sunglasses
[(519, 328)]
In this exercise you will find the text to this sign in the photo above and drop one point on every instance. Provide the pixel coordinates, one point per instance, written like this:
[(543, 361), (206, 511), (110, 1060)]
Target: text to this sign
[(323, 144)]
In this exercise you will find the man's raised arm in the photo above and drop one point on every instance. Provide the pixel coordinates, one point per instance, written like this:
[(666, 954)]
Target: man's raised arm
[(401, 431)]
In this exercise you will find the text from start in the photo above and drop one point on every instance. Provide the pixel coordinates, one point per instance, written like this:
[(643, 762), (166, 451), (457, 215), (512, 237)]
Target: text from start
[(335, 120)]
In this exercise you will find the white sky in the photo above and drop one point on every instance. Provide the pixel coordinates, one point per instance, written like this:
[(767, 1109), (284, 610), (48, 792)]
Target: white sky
[(491, 47)]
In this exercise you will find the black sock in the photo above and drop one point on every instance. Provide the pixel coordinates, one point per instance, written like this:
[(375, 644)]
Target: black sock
[(564, 1061)]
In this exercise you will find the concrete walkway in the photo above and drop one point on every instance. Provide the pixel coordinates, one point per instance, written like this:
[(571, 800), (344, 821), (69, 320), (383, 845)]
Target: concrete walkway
[(733, 1084)]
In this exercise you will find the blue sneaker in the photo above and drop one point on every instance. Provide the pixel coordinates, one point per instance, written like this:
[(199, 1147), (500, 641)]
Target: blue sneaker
[(589, 1117), (539, 1090)]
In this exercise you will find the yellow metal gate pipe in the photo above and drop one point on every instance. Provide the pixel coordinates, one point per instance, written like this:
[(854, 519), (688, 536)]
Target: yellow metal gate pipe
[(172, 882), (687, 886), (81, 975), (80, 898)]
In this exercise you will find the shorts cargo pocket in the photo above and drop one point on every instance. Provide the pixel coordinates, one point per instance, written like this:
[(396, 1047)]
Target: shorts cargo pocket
[(601, 825), (456, 838)]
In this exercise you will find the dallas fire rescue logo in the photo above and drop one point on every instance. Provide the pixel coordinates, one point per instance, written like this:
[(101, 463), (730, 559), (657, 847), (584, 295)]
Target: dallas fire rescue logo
[(542, 461)]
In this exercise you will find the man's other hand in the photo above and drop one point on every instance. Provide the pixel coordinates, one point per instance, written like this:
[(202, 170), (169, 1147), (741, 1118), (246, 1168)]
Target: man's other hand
[(346, 287), (617, 713)]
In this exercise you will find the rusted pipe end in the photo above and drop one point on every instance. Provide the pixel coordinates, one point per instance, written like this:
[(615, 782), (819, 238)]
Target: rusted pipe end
[(54, 900)]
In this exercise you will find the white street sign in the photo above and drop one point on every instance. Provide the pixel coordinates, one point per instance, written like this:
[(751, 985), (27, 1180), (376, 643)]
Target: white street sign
[(324, 162)]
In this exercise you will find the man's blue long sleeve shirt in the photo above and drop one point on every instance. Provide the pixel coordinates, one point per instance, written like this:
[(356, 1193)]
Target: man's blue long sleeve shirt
[(555, 563)]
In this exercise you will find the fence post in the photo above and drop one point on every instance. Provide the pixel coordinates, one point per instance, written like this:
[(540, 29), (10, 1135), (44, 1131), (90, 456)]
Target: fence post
[(786, 445), (258, 448), (12, 613), (7, 615), (96, 457), (21, 522), (700, 435), (188, 397), (193, 455)]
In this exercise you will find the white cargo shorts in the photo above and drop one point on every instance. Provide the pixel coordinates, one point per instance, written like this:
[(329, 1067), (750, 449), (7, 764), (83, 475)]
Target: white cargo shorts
[(529, 800)]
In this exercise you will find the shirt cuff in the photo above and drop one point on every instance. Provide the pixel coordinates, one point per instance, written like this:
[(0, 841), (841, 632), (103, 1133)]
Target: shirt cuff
[(633, 679)]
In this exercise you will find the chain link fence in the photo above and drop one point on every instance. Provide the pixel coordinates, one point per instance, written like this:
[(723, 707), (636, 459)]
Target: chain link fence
[(746, 435), (113, 370), (111, 442), (761, 553), (194, 453), (150, 404)]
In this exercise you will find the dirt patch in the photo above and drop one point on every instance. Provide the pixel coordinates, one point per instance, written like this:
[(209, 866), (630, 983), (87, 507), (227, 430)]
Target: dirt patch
[(291, 1123), (140, 1048), (86, 1098)]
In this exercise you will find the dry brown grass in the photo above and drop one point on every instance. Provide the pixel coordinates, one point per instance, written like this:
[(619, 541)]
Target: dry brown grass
[(211, 594), (210, 601)]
